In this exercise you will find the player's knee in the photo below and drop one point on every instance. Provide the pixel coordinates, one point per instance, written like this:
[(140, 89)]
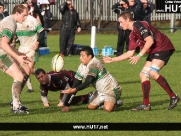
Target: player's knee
[(154, 69), (108, 109), (19, 77), (91, 107), (144, 72)]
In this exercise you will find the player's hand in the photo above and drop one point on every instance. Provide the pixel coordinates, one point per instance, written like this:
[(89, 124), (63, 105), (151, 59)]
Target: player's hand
[(69, 91), (134, 59), (60, 104), (107, 59), (22, 60), (46, 104), (35, 46), (65, 109)]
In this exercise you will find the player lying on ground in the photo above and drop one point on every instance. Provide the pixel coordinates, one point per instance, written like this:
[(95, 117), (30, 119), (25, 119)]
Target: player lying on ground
[(108, 91), (57, 81)]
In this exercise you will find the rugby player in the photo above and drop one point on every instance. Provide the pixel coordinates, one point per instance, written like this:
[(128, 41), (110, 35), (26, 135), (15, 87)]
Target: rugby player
[(159, 49), (57, 81), (11, 61), (107, 90)]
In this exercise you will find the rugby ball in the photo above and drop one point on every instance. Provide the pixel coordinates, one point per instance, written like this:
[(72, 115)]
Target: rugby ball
[(57, 63)]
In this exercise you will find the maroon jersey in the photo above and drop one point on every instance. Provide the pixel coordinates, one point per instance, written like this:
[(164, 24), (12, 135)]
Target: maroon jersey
[(58, 81), (141, 30)]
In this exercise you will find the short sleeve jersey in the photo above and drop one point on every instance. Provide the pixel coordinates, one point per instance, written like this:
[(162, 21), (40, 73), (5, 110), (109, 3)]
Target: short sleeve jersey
[(141, 30), (7, 28), (104, 82), (27, 32)]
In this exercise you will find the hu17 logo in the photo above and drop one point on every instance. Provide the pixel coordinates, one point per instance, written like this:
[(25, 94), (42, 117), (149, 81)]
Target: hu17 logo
[(168, 6)]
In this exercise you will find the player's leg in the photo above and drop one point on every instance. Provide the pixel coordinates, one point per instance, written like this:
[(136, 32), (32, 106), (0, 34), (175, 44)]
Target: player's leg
[(28, 83), (158, 64), (145, 84), (111, 100), (18, 77), (95, 101), (81, 98)]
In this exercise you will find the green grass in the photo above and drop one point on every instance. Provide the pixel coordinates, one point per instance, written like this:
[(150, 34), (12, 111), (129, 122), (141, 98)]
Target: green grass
[(125, 74)]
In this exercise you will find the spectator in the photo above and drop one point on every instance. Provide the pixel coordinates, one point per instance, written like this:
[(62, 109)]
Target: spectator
[(57, 81), (135, 6), (107, 90), (70, 22), (159, 49), (47, 15), (123, 35), (3, 12), (148, 8), (35, 11)]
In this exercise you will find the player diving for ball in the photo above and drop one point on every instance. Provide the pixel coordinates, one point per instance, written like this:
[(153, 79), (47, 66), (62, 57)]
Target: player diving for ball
[(27, 33), (57, 81), (108, 91)]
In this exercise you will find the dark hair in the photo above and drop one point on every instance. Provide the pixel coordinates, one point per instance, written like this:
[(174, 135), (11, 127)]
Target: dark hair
[(1, 4), (127, 14), (88, 50), (126, 2), (39, 70), (18, 8)]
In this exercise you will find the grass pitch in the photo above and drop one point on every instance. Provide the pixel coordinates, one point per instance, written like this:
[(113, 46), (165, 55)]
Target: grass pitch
[(127, 76)]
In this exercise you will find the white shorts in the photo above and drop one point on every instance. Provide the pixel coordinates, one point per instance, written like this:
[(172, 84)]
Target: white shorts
[(30, 52)]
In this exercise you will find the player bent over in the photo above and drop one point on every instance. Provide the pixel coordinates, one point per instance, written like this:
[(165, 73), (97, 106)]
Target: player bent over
[(10, 59), (27, 33), (108, 91), (57, 81), (159, 49)]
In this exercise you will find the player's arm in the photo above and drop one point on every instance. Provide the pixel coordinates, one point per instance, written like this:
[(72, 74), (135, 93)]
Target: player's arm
[(89, 79), (7, 48), (122, 57), (44, 97), (148, 37), (21, 58), (69, 97)]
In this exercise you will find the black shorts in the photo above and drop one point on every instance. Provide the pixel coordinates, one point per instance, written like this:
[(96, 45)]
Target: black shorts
[(162, 55)]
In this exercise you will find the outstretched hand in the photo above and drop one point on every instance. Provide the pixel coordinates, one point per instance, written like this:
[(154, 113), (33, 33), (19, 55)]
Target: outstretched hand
[(134, 59), (107, 59), (69, 91)]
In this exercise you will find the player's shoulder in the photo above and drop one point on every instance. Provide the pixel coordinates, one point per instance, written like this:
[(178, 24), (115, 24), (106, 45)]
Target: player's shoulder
[(8, 23), (29, 17)]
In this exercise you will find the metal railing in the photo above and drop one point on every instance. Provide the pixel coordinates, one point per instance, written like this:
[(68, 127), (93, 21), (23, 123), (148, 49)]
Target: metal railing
[(83, 8)]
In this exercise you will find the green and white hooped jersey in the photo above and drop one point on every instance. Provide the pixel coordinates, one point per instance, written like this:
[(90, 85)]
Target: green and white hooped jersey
[(8, 29), (27, 32), (104, 82)]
